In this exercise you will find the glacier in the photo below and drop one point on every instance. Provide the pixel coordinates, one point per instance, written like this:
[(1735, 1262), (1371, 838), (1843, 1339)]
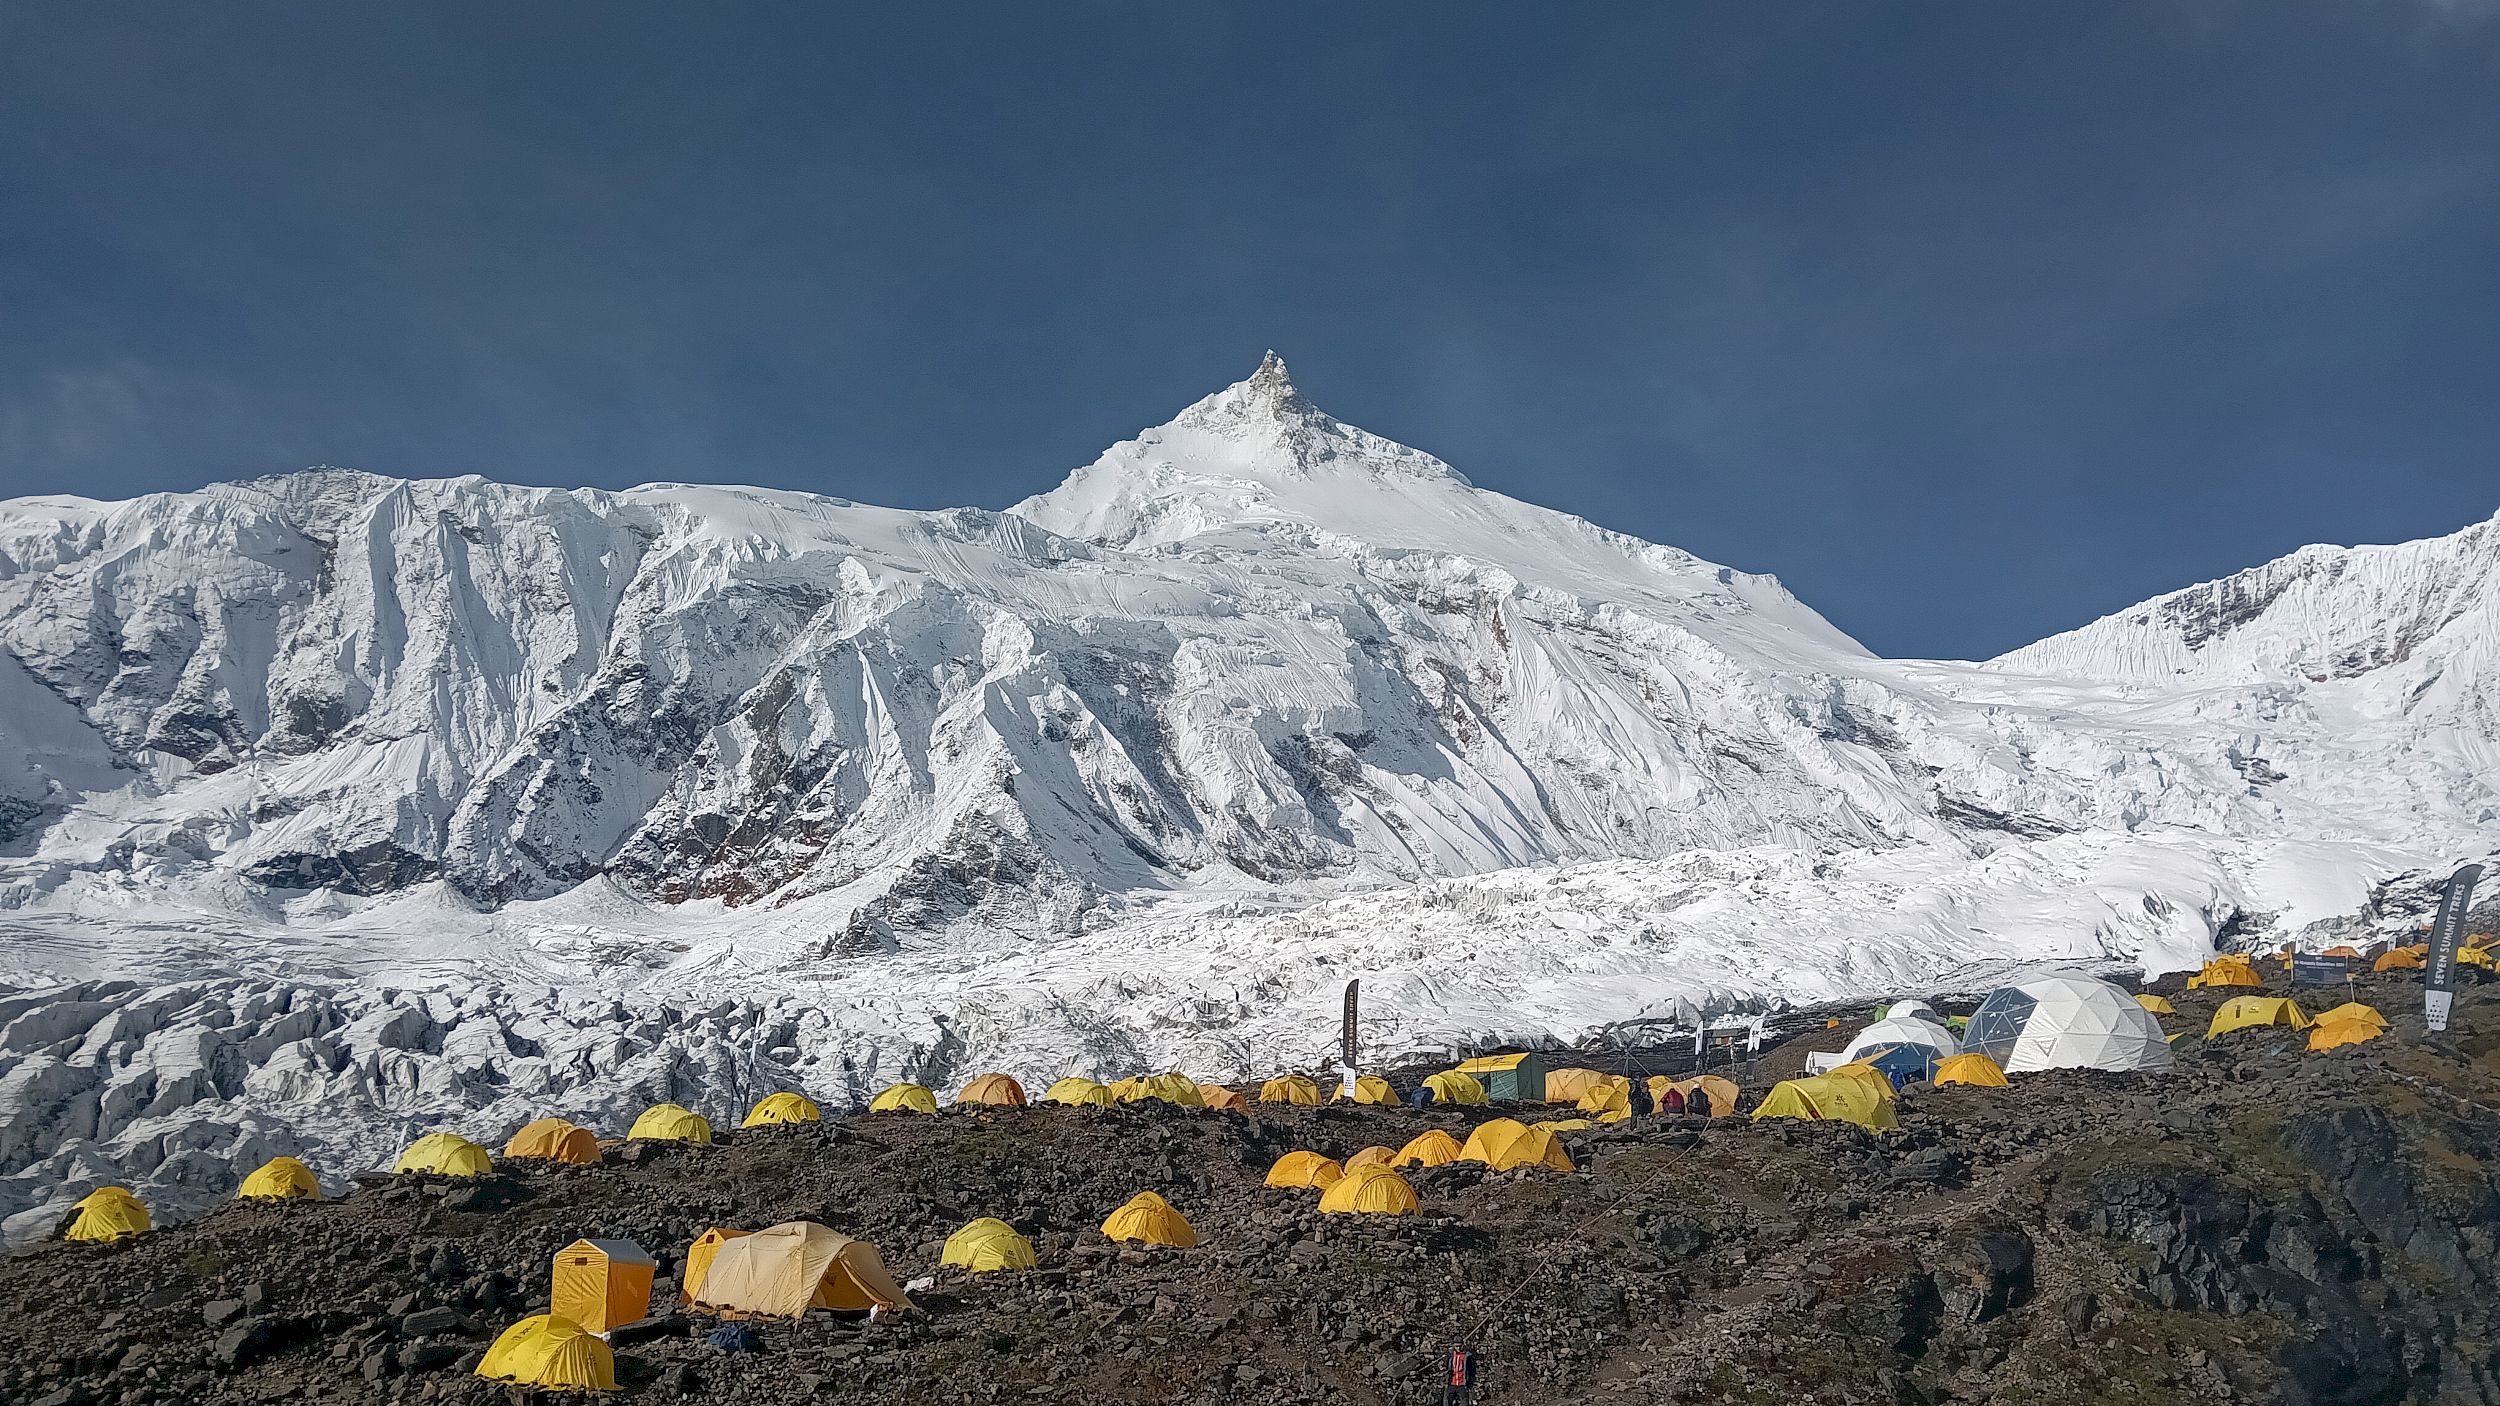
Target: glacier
[(334, 806)]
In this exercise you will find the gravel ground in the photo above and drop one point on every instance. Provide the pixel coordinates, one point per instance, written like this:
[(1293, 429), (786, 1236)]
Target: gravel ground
[(2260, 1224)]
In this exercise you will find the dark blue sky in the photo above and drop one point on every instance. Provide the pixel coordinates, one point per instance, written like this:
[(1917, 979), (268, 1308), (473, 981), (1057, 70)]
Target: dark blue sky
[(1970, 321)]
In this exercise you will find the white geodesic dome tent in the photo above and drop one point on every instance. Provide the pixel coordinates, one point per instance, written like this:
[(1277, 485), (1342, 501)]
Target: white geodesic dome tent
[(2066, 1022), (1893, 1031), (1903, 1010)]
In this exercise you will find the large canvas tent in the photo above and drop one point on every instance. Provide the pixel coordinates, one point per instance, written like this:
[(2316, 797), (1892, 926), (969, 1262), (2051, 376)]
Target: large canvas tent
[(784, 1271), (2066, 1022)]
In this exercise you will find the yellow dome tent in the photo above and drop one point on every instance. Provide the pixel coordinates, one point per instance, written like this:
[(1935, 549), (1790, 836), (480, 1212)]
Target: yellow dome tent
[(1077, 1092), (1370, 1157), (1222, 1099), (1149, 1219), (1304, 1170), (2335, 1034), (2158, 1005), (787, 1269), (2227, 969), (551, 1353), (2475, 957), (2245, 1012), (2347, 953), (1369, 1191), (699, 1260), (992, 1091), (2398, 959), (1566, 1085), (1719, 1093), (1865, 1102), (1562, 1125), (782, 1109), (554, 1140), (1975, 1069), (666, 1122), (1174, 1088), (1428, 1149), (1608, 1102), (988, 1244), (108, 1213), (1456, 1089), (2352, 1010), (1860, 1069), (448, 1154), (281, 1179), (1505, 1143), (601, 1284), (1369, 1088), (903, 1098), (1292, 1088)]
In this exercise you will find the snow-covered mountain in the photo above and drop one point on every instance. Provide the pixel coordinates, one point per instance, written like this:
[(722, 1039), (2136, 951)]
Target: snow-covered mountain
[(1136, 771)]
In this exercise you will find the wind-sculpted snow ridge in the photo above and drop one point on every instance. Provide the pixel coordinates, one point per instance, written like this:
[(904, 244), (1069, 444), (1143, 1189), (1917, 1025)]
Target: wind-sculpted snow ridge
[(1133, 774)]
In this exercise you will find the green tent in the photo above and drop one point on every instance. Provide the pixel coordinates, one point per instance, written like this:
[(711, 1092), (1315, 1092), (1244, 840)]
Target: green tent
[(1510, 1078)]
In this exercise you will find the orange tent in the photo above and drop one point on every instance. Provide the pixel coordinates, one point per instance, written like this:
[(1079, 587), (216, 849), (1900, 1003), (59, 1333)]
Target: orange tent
[(555, 1140), (993, 1091)]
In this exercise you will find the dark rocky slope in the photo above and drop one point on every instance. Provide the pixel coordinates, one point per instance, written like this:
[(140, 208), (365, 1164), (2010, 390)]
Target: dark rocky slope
[(2261, 1224)]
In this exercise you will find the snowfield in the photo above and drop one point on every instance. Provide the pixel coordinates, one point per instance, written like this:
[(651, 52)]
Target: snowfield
[(336, 807)]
